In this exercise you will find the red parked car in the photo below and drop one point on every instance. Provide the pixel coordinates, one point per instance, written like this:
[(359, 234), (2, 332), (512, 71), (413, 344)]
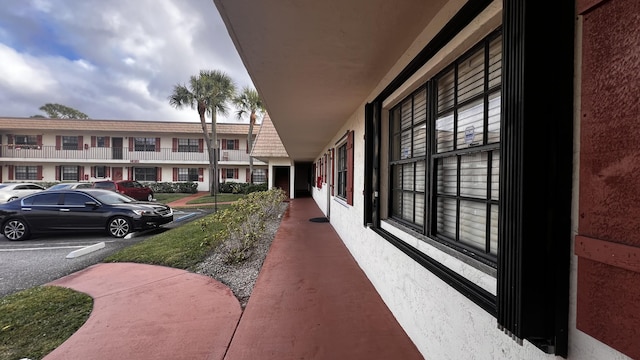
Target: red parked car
[(130, 188)]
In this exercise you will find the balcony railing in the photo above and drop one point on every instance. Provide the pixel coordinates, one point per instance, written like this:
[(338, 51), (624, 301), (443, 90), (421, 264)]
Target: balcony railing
[(115, 154)]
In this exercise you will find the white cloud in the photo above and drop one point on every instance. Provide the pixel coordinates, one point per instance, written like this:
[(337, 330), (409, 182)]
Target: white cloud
[(116, 59), (24, 74)]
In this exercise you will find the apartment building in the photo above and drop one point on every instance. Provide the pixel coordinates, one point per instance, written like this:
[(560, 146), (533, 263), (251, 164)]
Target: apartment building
[(477, 158), (50, 150)]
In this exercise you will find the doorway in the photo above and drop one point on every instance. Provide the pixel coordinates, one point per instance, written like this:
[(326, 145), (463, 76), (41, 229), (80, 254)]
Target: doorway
[(303, 179), (116, 148), (281, 179)]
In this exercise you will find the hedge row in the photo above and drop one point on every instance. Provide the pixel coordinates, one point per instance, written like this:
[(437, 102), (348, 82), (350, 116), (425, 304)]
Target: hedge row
[(192, 187)]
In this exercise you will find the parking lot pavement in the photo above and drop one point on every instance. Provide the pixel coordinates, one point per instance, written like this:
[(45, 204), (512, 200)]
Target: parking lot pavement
[(42, 259)]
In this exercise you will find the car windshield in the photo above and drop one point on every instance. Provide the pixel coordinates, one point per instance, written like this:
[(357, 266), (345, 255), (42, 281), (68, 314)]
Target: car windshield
[(112, 198), (3, 186), (59, 186)]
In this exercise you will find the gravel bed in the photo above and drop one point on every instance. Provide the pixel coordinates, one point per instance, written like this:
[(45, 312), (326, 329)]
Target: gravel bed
[(241, 277)]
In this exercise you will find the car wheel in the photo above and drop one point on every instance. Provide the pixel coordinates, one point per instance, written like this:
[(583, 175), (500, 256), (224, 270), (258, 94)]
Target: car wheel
[(15, 230), (119, 227), (150, 197)]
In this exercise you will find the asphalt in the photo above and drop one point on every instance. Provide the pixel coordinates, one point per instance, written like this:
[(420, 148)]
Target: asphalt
[(310, 301)]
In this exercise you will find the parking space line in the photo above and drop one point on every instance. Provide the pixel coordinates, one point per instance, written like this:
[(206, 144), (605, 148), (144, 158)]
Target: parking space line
[(44, 248)]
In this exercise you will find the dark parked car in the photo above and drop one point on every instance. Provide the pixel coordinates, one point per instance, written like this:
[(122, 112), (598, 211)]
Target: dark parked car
[(130, 188), (80, 210)]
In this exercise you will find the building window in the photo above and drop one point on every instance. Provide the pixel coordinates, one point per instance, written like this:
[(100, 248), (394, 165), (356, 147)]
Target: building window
[(70, 143), (341, 171), (188, 145), (101, 141), (259, 176), (230, 173), (69, 173), (445, 152), (145, 173), (144, 144), (231, 144), (26, 173), (26, 141), (187, 174), (100, 171)]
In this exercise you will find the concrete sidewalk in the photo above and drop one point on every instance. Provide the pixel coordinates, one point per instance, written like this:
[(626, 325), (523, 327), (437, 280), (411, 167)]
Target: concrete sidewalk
[(183, 202), (310, 301)]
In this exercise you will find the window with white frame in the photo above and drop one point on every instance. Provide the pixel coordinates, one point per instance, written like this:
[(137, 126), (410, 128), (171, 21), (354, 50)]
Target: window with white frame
[(70, 143), (341, 171), (230, 144), (26, 173), (188, 145), (230, 173), (26, 141), (68, 172), (259, 176), (101, 141), (445, 151), (100, 171), (144, 144), (187, 174)]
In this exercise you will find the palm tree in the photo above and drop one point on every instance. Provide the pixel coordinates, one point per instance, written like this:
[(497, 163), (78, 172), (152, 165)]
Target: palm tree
[(248, 101), (208, 92)]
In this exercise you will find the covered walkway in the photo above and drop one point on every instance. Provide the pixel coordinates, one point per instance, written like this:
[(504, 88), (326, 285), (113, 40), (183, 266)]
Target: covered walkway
[(310, 301)]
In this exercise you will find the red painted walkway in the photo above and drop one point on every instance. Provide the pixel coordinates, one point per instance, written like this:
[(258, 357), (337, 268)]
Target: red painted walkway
[(311, 301)]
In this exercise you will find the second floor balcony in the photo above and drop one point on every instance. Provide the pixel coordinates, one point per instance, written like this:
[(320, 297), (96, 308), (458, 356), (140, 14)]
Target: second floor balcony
[(48, 153)]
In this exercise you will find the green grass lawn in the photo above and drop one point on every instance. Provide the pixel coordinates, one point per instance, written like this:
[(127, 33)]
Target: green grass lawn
[(181, 247), (35, 321), (218, 198), (169, 197), (166, 198)]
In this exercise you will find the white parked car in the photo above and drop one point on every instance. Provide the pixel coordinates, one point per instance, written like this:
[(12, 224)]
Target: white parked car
[(71, 186), (12, 191)]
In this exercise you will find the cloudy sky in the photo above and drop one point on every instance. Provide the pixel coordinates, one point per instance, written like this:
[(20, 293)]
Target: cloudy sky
[(115, 59)]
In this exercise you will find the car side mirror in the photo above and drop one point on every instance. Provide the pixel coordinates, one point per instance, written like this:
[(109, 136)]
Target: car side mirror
[(92, 204)]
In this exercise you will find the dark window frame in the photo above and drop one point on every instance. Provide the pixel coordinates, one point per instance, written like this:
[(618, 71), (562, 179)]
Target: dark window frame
[(533, 285), (145, 173), (418, 188)]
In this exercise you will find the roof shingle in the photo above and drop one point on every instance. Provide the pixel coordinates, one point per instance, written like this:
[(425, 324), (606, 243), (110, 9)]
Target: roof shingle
[(111, 126), (268, 143)]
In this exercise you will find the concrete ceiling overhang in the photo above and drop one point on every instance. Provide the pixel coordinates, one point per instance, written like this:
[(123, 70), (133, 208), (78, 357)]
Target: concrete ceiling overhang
[(316, 62)]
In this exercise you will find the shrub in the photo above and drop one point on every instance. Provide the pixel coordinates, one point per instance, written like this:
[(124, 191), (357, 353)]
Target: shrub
[(241, 188), (245, 223), (173, 187)]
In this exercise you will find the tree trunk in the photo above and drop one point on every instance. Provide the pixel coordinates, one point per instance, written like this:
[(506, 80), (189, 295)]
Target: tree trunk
[(212, 160), (214, 139), (252, 120)]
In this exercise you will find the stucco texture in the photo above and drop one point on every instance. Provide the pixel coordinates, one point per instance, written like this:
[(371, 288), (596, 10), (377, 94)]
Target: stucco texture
[(608, 305)]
